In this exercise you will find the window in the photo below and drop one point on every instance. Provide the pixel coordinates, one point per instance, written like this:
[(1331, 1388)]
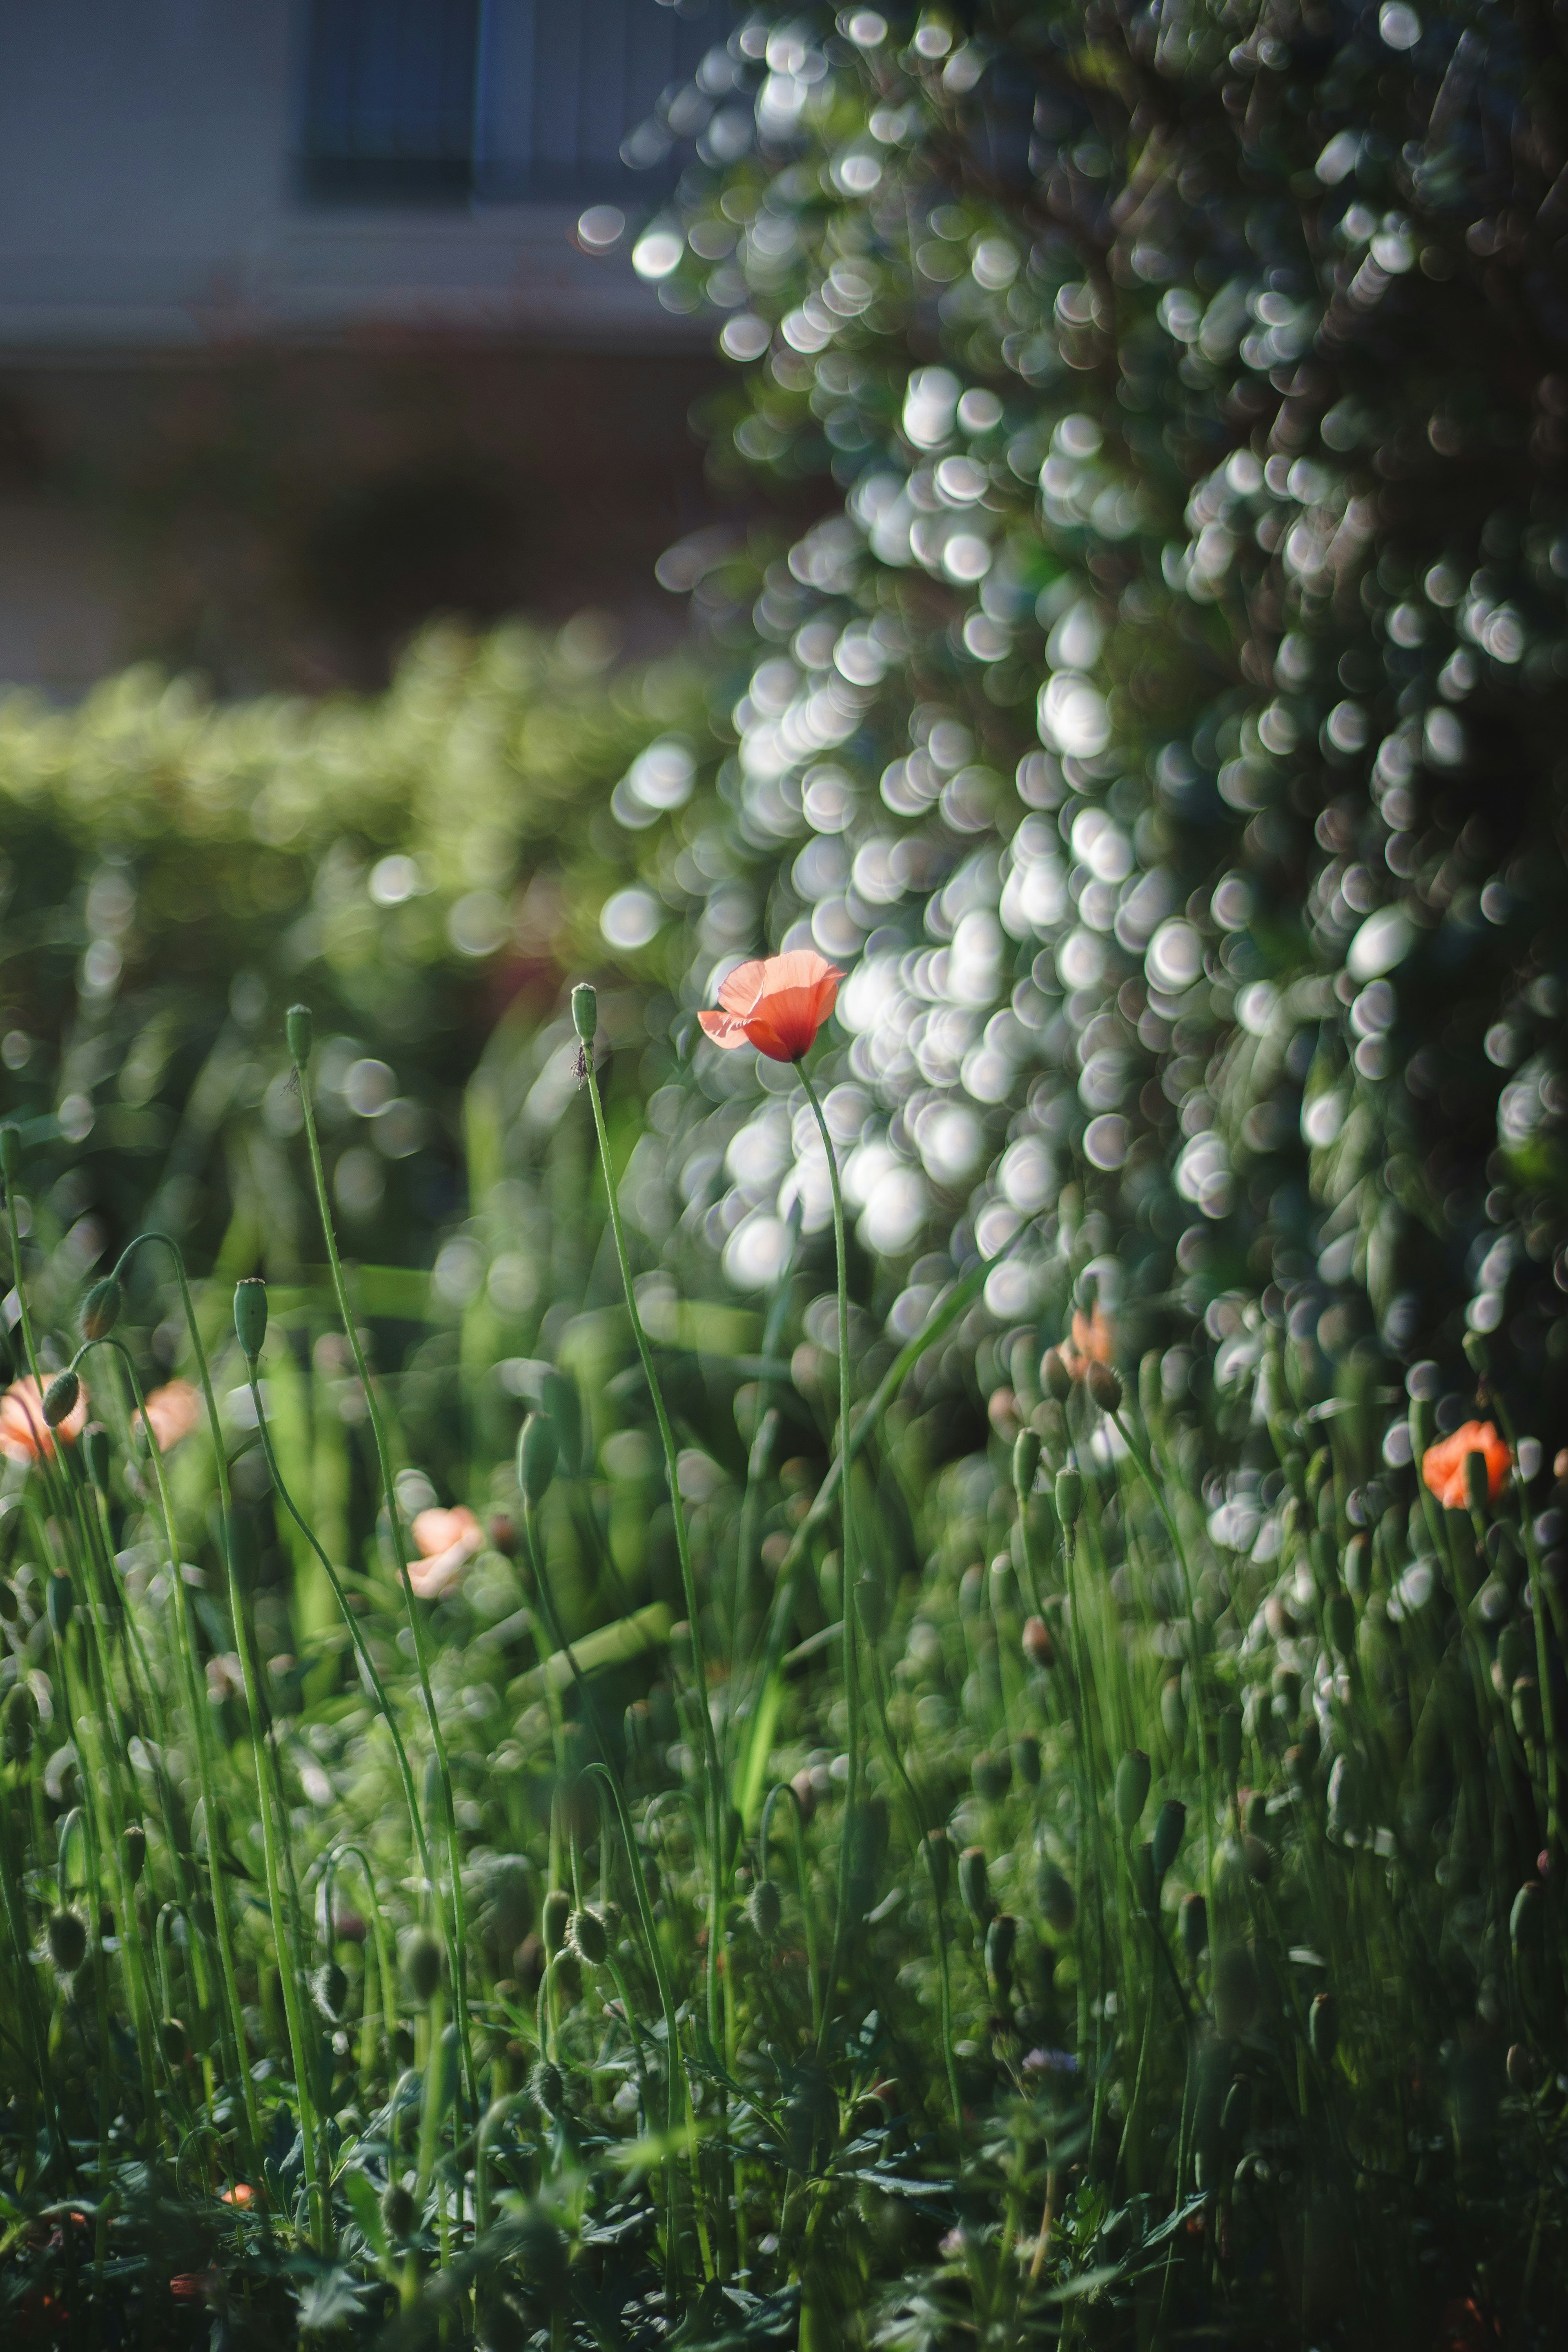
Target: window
[(391, 88)]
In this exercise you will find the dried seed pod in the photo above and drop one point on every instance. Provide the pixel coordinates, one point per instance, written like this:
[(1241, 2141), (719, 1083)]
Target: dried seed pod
[(974, 1883), (1104, 1388), (1036, 1644), (421, 1965), (1322, 2027), (1134, 1774), (1194, 1928), (765, 1909), (586, 1936), (61, 1397), (1170, 1822), (1054, 1377), (100, 1308), (66, 1935)]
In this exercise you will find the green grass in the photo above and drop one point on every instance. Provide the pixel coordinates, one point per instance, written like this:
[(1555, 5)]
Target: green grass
[(1131, 1934)]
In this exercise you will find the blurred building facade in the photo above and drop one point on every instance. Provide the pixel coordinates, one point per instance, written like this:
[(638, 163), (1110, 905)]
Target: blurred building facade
[(298, 343)]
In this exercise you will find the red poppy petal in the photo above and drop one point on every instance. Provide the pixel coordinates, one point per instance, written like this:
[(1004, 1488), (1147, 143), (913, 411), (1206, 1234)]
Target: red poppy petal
[(745, 984), (725, 1029)]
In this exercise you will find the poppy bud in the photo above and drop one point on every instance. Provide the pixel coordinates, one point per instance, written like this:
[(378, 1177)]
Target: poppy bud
[(805, 1790), (250, 1315), (1527, 1715), (1002, 1937), (537, 1449), (1259, 1860), (60, 1603), (1104, 1387), (1038, 1646), (585, 1011), (565, 1971), (939, 1850), (60, 1399), (297, 1028), (100, 1308), (397, 2209), (547, 2087), (1069, 1497), (992, 1776), (1169, 1823), (556, 1920), (585, 1933), (1228, 1741), (1522, 2073), (421, 1965), (1054, 1377), (95, 1453), (1025, 1758), (1528, 1916), (1322, 2027), (174, 2041), (1340, 1617), (65, 1936), (764, 1909), (974, 1884), (10, 1153), (134, 1843), (1026, 1459), (1133, 1777), (1057, 1903), (330, 1991), (1477, 1355), (1194, 1928), (1236, 1990)]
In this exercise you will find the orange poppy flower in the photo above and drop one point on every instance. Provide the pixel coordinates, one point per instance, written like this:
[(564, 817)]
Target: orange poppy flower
[(1443, 1464), (447, 1541), (173, 1412), (24, 1436), (1093, 1341), (776, 1003)]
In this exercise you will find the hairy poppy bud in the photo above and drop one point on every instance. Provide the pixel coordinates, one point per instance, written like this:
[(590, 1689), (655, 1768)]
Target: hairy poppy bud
[(96, 1453), (1026, 1459), (1194, 1928), (1133, 1777), (585, 1011), (1322, 2027), (1169, 1823), (1002, 1937), (1069, 1497), (992, 1776), (60, 1399), (10, 1153), (556, 1919), (1025, 1758), (937, 1848), (330, 1991), (60, 1602), (973, 1882), (1038, 1646), (1054, 1377), (764, 1909), (65, 1936), (134, 1843), (297, 1028), (421, 1965), (100, 1308), (547, 2088), (1104, 1387), (397, 2209), (585, 1933), (250, 1315), (536, 1448)]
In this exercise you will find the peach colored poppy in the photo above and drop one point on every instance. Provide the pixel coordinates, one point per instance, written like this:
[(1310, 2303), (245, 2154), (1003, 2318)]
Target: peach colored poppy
[(173, 1412), (23, 1435), (1443, 1464), (776, 1003), (447, 1541), (1093, 1341)]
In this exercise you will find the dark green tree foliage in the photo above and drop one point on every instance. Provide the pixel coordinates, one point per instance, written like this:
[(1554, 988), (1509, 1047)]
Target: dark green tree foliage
[(1167, 722)]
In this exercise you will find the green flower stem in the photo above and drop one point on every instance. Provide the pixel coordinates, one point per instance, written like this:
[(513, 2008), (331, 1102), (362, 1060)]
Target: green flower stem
[(802, 1886), (201, 1734), (847, 1569), (713, 1771), (453, 1929), (1146, 1469)]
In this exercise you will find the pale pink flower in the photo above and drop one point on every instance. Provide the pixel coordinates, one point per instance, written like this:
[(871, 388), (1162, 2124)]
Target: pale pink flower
[(23, 1433), (173, 1412), (447, 1541)]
